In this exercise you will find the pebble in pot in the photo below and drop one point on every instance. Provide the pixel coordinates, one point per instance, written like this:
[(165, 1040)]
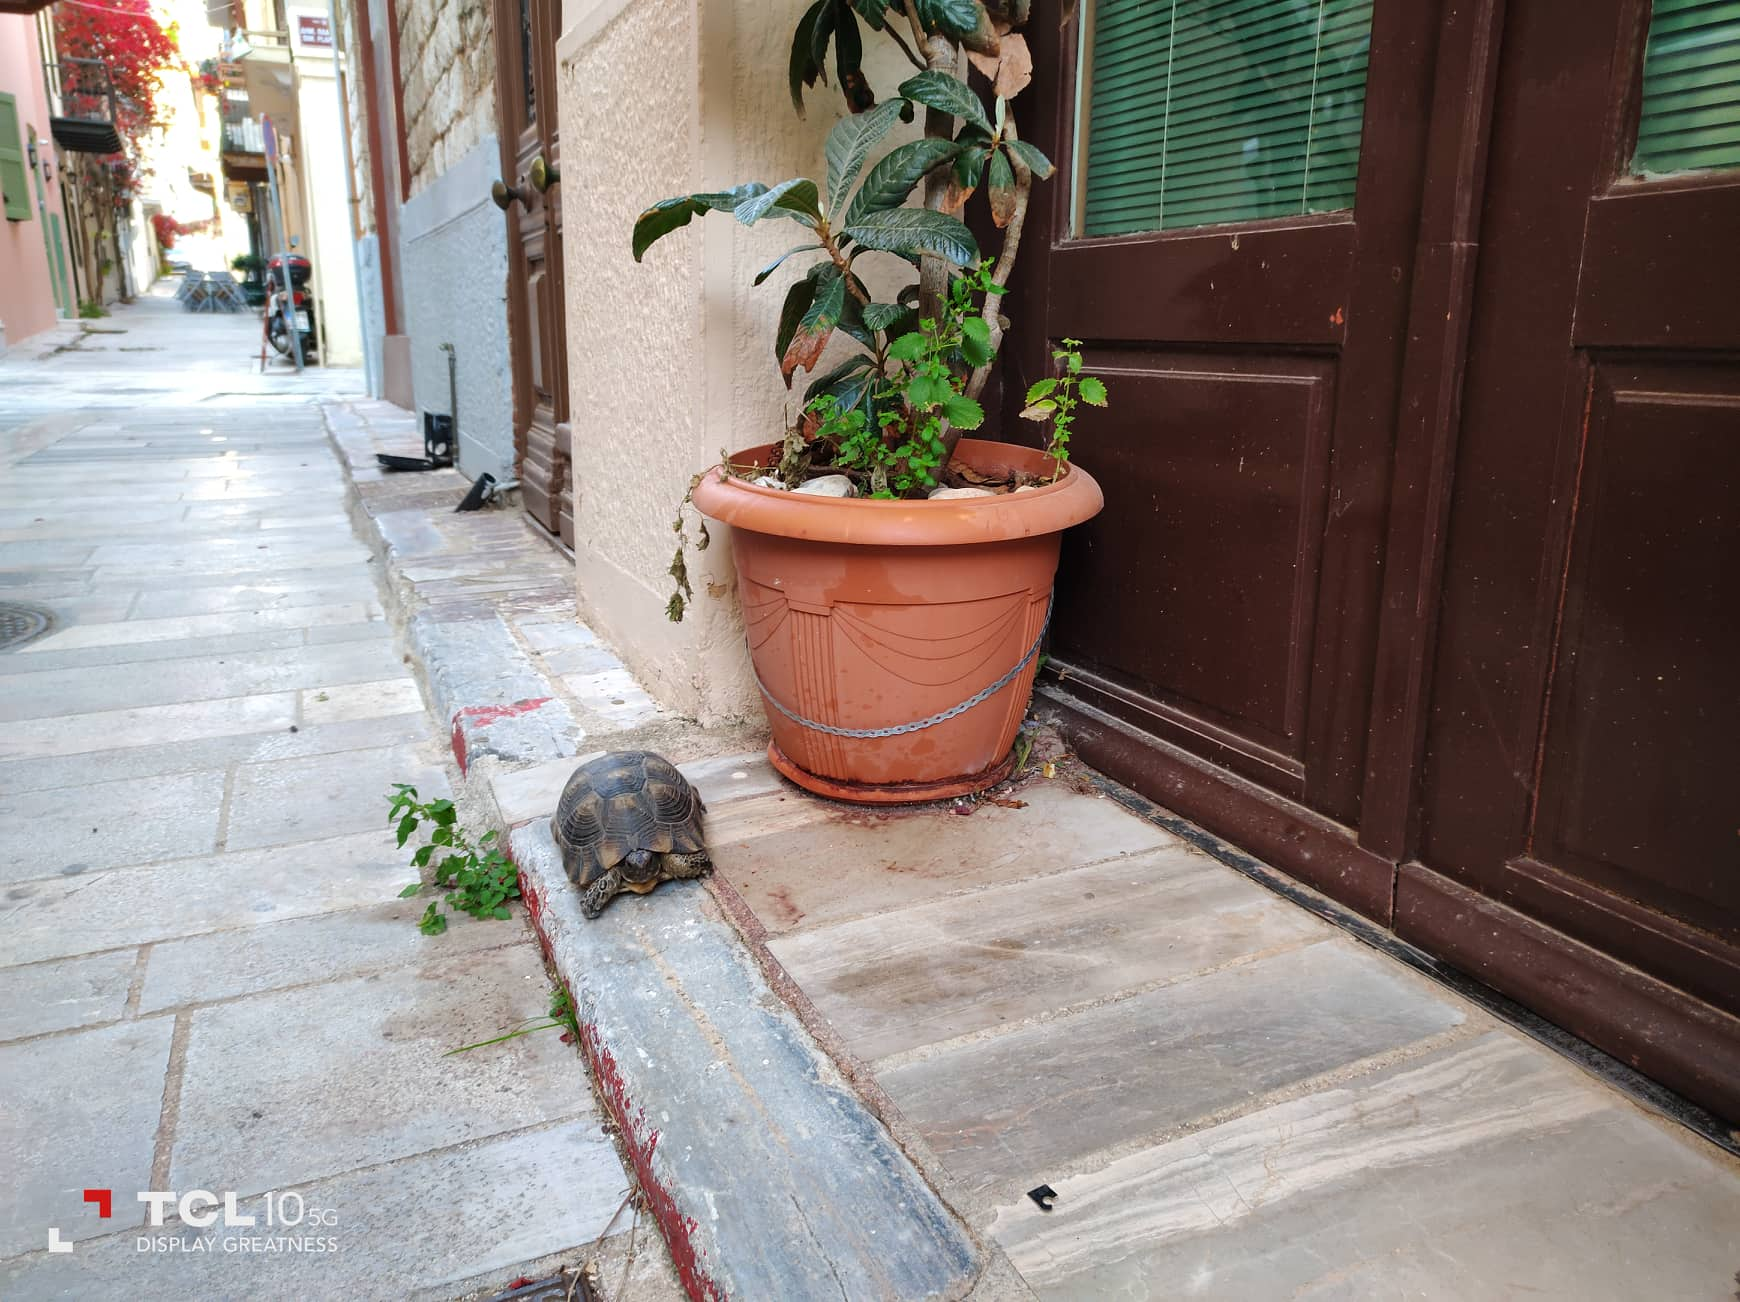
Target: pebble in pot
[(942, 494), (828, 486)]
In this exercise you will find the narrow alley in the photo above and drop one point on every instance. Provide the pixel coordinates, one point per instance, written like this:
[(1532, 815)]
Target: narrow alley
[(207, 980)]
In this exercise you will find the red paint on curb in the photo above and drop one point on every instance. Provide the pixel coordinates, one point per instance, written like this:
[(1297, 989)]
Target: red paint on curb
[(637, 1137), (641, 1143), (481, 716)]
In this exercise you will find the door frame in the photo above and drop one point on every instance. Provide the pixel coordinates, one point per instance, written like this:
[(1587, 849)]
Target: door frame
[(509, 89)]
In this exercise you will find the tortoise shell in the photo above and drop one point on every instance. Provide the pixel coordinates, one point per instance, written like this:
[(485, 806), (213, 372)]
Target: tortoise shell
[(624, 801)]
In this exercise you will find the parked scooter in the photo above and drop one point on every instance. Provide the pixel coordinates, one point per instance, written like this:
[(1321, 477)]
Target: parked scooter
[(301, 302)]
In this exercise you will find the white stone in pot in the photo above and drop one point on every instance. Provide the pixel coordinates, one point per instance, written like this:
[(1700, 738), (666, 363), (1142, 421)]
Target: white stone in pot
[(828, 486), (768, 481), (942, 494)]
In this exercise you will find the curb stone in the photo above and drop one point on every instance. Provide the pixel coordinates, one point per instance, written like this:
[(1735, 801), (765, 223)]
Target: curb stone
[(764, 1169)]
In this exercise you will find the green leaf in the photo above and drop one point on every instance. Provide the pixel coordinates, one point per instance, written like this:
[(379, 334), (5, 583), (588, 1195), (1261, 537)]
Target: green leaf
[(956, 17), (849, 59), (1040, 389), (887, 184), (819, 38), (883, 316), (852, 387), (1093, 390), (907, 348), (410, 890), (421, 858), (811, 335), (975, 342), (500, 911), (1037, 163), (797, 302), (872, 12), (829, 381), (850, 143), (948, 94), (910, 231), (803, 69), (970, 165), (1002, 189), (795, 198), (924, 391), (407, 825), (773, 266), (667, 215), (852, 315), (963, 412), (434, 922)]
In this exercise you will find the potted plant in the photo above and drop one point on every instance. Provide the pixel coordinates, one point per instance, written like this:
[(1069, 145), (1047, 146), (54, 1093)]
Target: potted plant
[(253, 269), (896, 577)]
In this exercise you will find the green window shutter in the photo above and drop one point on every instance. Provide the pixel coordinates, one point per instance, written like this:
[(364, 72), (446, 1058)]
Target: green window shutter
[(14, 180), (1691, 87), (1203, 111)]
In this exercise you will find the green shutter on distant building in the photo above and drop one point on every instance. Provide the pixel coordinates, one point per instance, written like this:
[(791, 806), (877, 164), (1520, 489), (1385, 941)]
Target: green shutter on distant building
[(1691, 87), (1203, 111), (14, 179)]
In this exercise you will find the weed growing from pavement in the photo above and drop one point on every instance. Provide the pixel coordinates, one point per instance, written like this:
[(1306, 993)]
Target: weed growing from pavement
[(561, 1015), (478, 878)]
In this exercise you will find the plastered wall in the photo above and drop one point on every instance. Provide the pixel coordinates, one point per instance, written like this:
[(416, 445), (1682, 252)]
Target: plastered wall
[(671, 361)]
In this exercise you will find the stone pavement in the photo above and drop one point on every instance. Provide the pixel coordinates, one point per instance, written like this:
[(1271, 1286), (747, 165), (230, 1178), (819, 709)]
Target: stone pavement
[(1230, 1097), (207, 980), (215, 986)]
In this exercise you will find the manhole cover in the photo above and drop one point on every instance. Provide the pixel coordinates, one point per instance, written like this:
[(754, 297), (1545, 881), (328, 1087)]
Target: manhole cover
[(19, 623)]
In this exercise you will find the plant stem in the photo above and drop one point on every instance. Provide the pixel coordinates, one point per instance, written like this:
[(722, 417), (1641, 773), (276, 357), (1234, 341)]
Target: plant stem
[(940, 55), (1005, 260), (905, 49), (843, 263)]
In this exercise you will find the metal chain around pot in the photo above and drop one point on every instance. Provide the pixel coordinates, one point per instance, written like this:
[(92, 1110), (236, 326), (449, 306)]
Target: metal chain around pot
[(943, 716)]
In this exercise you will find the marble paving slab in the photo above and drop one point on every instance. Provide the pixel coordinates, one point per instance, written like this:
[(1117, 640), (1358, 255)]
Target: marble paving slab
[(1020, 1108), (1489, 1169)]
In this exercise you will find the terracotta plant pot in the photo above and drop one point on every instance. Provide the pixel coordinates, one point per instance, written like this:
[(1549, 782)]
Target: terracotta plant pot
[(865, 615)]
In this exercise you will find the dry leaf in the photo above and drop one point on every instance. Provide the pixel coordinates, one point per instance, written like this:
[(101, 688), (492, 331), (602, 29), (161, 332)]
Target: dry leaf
[(1014, 67), (1050, 769)]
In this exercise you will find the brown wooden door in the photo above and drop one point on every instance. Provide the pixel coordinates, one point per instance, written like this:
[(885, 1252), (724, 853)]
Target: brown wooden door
[(1580, 763), (1224, 605), (525, 37)]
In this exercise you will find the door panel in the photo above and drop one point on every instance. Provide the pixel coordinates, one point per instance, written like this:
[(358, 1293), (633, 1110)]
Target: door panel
[(1225, 461), (1225, 603), (526, 34), (1580, 752)]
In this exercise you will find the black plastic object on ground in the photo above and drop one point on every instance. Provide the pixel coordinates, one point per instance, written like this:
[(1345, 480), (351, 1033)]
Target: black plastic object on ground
[(437, 446), (481, 491)]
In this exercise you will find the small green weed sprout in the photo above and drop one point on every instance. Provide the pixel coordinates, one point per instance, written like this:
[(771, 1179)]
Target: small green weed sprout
[(1054, 399), (478, 878)]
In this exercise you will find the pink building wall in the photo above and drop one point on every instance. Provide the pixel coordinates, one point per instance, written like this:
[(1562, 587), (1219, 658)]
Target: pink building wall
[(26, 285)]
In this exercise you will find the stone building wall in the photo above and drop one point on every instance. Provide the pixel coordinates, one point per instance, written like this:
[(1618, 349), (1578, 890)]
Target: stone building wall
[(447, 64)]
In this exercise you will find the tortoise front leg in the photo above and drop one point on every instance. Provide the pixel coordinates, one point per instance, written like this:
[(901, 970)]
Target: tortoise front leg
[(684, 867), (601, 892)]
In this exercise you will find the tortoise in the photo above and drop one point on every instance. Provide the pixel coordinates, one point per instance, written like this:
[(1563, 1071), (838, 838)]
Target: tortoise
[(627, 821)]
